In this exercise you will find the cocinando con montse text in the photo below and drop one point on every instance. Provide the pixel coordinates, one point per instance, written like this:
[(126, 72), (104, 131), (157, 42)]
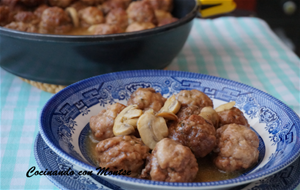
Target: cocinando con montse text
[(69, 172)]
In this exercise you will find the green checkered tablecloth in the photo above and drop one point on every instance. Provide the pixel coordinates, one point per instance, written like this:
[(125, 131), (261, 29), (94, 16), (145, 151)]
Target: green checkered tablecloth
[(240, 49)]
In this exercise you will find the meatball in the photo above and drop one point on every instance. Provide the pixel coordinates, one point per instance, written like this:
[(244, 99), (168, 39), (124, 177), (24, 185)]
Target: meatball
[(196, 133), (26, 17), (123, 152), (4, 15), (146, 98), (92, 2), (165, 5), (171, 162), (136, 26), (186, 111), (60, 3), (194, 97), (40, 9), (78, 5), (31, 2), (90, 16), (160, 14), (117, 17), (101, 29), (109, 5), (140, 11), (236, 148), (10, 3), (21, 26), (55, 20), (102, 124), (233, 115)]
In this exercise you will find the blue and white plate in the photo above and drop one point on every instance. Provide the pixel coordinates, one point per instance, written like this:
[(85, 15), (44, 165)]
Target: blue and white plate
[(65, 117), (286, 179)]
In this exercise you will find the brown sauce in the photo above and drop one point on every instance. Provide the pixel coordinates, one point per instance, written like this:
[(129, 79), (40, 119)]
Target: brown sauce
[(78, 31), (207, 170)]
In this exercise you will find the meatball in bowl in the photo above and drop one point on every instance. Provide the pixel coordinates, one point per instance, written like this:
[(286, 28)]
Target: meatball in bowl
[(148, 129), (71, 40)]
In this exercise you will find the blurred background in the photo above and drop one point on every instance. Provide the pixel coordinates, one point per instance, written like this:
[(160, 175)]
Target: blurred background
[(283, 16)]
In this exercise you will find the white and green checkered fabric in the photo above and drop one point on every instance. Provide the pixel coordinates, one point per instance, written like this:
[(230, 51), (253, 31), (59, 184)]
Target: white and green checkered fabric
[(240, 49)]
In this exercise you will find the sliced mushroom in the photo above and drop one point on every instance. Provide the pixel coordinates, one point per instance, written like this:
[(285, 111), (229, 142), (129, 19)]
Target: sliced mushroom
[(152, 129), (126, 121), (170, 108), (226, 106), (74, 16), (208, 113), (167, 115), (171, 105), (132, 122)]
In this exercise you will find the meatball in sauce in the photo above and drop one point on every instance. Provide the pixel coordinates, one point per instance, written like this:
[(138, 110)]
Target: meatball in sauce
[(236, 148), (102, 124), (122, 153), (233, 115), (171, 162), (196, 133), (194, 97), (147, 98)]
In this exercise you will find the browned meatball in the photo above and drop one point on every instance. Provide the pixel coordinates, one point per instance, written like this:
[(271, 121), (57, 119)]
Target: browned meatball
[(117, 17), (21, 26), (40, 9), (171, 162), (10, 3), (186, 111), (237, 148), (92, 2), (109, 5), (26, 17), (123, 152), (4, 15), (194, 97), (90, 16), (165, 5), (136, 26), (78, 5), (32, 2), (196, 133), (140, 11), (60, 3), (233, 115), (101, 29), (147, 98), (55, 20), (102, 124)]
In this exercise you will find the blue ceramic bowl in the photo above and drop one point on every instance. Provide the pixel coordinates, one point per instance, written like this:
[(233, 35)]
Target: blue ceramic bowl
[(65, 59), (65, 118)]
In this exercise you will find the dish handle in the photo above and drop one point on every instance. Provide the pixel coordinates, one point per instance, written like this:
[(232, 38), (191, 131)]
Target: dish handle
[(215, 7)]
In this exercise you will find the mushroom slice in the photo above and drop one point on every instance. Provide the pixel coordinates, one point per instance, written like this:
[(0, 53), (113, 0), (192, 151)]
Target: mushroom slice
[(74, 16), (226, 106), (126, 121), (152, 129), (208, 113), (168, 115), (171, 105), (132, 122), (170, 108)]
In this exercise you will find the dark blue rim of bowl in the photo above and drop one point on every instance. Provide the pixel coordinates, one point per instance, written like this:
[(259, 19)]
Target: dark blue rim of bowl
[(97, 38), (65, 93)]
